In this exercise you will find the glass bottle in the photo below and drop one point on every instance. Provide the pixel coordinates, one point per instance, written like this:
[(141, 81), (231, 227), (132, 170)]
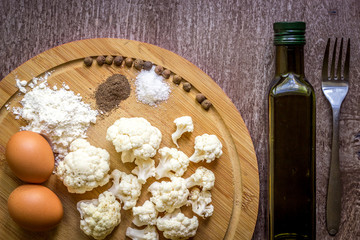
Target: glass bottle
[(291, 119)]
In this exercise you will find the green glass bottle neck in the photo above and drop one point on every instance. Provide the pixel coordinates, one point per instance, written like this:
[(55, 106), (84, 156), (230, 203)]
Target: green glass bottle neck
[(289, 58)]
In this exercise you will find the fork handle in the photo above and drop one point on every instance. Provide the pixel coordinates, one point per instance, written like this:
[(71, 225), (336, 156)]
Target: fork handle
[(333, 204)]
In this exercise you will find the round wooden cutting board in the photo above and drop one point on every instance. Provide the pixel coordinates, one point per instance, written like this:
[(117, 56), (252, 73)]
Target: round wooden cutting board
[(236, 192)]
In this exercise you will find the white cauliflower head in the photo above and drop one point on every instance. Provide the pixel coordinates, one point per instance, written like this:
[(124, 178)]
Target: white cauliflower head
[(99, 216), (84, 168), (201, 202), (148, 233), (134, 137), (183, 124), (177, 226), (201, 177), (172, 163), (207, 147), (145, 214), (145, 169), (167, 196), (126, 188)]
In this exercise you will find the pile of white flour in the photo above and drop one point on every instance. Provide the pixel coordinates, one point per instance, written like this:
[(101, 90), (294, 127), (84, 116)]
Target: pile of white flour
[(58, 114)]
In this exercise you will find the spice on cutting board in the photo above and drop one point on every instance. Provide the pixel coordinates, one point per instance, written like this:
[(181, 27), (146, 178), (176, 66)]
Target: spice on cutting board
[(159, 69), (206, 104), (88, 61), (109, 59), (177, 79), (151, 88), (128, 62), (147, 65), (50, 111), (100, 60), (186, 86), (166, 73), (138, 64), (200, 97), (118, 60), (111, 92)]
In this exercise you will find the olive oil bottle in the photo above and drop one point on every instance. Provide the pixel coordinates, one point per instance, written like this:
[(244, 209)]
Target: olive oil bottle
[(291, 119)]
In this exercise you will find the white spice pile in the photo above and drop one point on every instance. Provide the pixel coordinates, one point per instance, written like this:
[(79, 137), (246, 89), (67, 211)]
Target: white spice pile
[(151, 88), (58, 114), (21, 84)]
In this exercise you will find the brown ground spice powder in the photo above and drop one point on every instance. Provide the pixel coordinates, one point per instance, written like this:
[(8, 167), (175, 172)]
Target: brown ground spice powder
[(110, 93)]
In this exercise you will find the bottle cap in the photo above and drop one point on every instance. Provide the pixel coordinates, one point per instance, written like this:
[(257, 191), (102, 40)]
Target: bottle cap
[(289, 33)]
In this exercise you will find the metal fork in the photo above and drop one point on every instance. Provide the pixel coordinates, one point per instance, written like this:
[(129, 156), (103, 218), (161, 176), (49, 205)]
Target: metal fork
[(335, 89)]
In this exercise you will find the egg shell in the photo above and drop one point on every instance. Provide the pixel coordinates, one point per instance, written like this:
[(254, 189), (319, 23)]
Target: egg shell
[(30, 157), (35, 207)]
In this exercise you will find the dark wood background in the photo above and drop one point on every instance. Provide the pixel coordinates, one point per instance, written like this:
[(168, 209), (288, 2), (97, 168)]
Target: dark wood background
[(232, 42)]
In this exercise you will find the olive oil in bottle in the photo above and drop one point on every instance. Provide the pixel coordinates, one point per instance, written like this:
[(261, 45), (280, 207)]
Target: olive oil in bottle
[(291, 119)]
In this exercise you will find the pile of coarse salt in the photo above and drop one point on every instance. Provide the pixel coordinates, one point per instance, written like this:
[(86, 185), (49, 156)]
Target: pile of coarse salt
[(58, 114), (151, 88)]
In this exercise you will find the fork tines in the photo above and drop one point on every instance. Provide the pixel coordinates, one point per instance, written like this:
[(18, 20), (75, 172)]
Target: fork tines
[(338, 76)]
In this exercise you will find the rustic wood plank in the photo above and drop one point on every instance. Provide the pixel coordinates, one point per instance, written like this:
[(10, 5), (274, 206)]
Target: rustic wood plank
[(232, 42)]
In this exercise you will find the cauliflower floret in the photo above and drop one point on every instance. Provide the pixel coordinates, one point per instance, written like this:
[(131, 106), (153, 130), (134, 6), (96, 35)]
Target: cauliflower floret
[(172, 163), (167, 196), (99, 216), (135, 138), (148, 233), (202, 177), (145, 214), (84, 168), (183, 124), (177, 226), (201, 202), (207, 147), (144, 169), (127, 190)]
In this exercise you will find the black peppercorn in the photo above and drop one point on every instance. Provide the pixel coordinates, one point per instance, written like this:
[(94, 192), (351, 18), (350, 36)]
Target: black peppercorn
[(177, 79), (166, 73), (200, 97), (118, 60), (109, 59), (187, 86), (100, 60), (147, 65), (206, 104), (159, 70), (138, 64), (88, 61), (128, 62)]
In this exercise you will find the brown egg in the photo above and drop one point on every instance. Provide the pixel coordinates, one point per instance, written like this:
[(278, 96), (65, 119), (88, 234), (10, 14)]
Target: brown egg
[(35, 207), (30, 157)]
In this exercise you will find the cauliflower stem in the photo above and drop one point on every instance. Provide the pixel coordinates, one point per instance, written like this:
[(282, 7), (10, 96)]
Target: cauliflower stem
[(144, 169), (148, 233), (183, 124)]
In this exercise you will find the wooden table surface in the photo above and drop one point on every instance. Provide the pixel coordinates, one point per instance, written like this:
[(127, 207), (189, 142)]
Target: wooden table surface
[(232, 41)]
